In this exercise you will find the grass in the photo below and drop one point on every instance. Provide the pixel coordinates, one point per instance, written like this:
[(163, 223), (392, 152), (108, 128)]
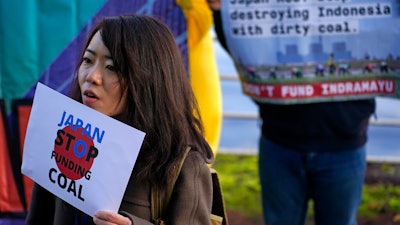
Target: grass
[(238, 175)]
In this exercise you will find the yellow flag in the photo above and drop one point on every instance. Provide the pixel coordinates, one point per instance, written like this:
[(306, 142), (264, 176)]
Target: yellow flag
[(204, 76)]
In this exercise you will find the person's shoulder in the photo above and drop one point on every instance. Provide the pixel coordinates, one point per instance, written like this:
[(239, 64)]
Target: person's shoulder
[(194, 157), (195, 163)]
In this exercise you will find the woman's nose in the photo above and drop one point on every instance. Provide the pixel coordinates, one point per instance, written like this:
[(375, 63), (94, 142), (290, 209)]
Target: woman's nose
[(94, 75)]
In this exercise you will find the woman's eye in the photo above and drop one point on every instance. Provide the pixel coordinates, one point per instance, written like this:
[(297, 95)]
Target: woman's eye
[(86, 60), (111, 68)]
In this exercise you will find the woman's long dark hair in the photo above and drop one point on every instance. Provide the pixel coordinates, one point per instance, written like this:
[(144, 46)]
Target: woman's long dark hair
[(160, 100)]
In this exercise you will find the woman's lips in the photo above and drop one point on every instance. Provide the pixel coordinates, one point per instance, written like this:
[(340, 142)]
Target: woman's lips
[(87, 100), (89, 97)]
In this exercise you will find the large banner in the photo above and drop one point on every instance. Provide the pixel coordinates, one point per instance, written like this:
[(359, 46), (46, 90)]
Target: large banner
[(314, 50)]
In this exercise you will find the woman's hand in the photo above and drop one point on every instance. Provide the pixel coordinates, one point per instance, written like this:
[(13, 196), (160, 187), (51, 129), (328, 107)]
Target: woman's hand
[(108, 218)]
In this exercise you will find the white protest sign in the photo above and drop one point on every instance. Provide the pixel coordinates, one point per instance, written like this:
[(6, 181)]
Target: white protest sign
[(82, 156)]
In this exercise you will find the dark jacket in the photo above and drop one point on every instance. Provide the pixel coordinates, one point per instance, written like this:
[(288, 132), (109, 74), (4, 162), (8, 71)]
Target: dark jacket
[(190, 202), (315, 127)]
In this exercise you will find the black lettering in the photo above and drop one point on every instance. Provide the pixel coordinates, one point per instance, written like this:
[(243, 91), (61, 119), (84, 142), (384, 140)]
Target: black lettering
[(353, 11), (334, 28), (72, 187), (93, 152), (80, 193), (51, 171), (62, 181), (59, 139), (70, 138), (88, 175)]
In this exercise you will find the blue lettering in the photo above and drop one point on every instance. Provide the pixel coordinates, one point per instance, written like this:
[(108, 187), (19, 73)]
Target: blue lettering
[(81, 153), (97, 134), (78, 124), (87, 130), (62, 119), (69, 121)]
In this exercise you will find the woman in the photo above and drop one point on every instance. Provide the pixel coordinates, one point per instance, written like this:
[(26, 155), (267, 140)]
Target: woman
[(132, 70)]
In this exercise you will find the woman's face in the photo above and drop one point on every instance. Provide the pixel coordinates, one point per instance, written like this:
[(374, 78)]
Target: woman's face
[(98, 81)]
